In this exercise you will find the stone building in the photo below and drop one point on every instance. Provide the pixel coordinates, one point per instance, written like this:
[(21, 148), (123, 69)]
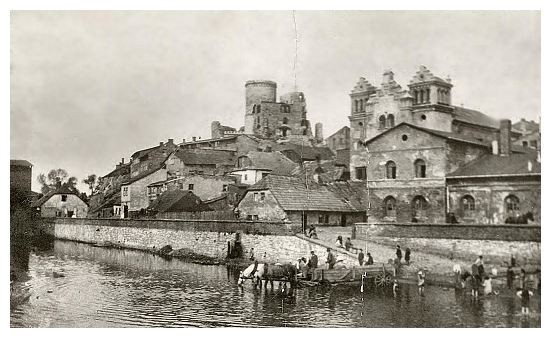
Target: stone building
[(206, 187), (239, 143), (530, 134), (62, 202), (255, 165), (297, 200), (500, 187), (134, 192), (200, 161), (267, 118), (144, 160), (426, 103), (339, 143)]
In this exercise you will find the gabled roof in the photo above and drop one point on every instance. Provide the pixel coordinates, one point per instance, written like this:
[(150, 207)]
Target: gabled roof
[(294, 193), (438, 133), (328, 170), (144, 174), (305, 152), (178, 201), (338, 131), (278, 163), (206, 156), (65, 189), (496, 165), (20, 163)]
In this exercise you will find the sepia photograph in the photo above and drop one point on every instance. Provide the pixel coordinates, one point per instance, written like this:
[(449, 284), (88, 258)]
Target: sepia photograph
[(275, 168)]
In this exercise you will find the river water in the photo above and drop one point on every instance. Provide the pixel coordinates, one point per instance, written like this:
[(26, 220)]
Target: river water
[(78, 285)]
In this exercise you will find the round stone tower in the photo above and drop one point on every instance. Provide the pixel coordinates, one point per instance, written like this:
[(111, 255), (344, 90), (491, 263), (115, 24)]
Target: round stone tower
[(257, 91)]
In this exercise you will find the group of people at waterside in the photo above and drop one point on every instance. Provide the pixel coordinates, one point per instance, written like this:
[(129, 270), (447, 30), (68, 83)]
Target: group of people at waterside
[(479, 278)]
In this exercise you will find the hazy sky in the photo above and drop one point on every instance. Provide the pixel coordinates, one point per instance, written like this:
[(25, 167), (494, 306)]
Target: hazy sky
[(88, 88)]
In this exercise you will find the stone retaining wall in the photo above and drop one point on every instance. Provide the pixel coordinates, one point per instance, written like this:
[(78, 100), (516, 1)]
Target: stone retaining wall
[(272, 242), (505, 232)]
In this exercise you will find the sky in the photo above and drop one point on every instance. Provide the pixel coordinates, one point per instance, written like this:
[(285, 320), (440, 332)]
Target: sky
[(89, 88)]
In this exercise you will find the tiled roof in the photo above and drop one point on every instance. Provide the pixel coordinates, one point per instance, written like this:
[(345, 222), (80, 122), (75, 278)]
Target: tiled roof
[(496, 165), (278, 163), (293, 193), (307, 153), (20, 163), (328, 170), (475, 117), (65, 189), (206, 156), (178, 201), (339, 131), (142, 152), (144, 174), (122, 170)]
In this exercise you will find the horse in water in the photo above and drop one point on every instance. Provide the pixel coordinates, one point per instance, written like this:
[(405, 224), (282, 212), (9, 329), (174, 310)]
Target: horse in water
[(268, 272)]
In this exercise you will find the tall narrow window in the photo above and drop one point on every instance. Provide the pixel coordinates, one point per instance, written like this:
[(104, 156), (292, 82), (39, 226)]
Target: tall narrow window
[(63, 198), (512, 203), (361, 105), (285, 120), (389, 205), (420, 168), (391, 170), (427, 95), (190, 186), (390, 121), (361, 173), (382, 122)]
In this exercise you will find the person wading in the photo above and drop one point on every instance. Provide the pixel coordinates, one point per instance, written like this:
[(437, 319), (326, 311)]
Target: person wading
[(361, 257), (399, 254), (331, 260)]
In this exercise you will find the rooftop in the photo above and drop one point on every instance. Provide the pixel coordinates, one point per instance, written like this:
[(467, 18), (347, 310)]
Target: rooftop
[(496, 165)]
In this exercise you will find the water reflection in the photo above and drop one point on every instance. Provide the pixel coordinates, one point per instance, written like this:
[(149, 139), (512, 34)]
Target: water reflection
[(108, 287)]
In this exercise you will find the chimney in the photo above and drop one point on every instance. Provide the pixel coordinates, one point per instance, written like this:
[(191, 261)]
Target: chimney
[(319, 132), (495, 149), (160, 144), (183, 140), (194, 138), (170, 141), (122, 160), (505, 137)]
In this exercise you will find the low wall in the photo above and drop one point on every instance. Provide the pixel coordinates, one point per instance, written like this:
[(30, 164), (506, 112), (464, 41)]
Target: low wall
[(495, 242), (272, 242), (506, 232)]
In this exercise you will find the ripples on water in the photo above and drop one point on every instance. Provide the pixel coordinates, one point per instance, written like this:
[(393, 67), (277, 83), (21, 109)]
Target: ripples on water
[(121, 288)]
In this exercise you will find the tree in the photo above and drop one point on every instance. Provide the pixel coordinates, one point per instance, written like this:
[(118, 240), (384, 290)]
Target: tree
[(91, 182), (54, 180)]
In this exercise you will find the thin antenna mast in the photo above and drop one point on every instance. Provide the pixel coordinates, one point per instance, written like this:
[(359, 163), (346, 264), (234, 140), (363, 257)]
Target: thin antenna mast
[(296, 51)]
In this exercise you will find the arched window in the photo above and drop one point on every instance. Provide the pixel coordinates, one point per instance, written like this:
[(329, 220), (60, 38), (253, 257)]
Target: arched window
[(391, 170), (421, 96), (420, 168), (512, 203), (389, 207), (285, 120), (357, 105), (390, 120), (427, 95), (284, 133), (467, 204), (382, 122), (419, 206)]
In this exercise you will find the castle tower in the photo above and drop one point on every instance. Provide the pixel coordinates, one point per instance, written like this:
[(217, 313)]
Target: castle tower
[(318, 132), (256, 92)]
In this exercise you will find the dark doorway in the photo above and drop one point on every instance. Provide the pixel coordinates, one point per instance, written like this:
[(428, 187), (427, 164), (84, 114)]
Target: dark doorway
[(304, 221), (343, 220), (126, 211)]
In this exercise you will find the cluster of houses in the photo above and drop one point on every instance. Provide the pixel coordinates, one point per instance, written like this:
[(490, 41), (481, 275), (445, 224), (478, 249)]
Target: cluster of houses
[(408, 155)]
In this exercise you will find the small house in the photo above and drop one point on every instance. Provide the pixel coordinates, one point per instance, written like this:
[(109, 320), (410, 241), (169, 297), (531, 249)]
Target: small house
[(62, 202)]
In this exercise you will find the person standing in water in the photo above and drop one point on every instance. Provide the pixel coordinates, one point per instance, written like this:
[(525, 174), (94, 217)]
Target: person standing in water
[(421, 276), (524, 296)]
